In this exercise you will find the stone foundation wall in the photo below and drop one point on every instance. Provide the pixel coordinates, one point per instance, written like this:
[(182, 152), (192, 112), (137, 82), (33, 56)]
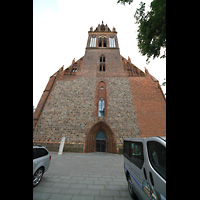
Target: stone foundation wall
[(67, 112), (71, 112), (78, 148), (121, 117)]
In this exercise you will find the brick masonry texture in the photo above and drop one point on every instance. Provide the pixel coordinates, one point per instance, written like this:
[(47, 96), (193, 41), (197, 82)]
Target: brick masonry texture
[(135, 105), (70, 110), (121, 111), (150, 106)]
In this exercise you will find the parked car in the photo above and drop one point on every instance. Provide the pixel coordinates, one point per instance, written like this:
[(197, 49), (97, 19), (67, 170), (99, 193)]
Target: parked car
[(145, 167), (41, 162)]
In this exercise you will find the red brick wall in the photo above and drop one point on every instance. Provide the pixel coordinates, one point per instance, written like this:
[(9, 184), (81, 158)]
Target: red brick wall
[(150, 106), (49, 88), (111, 143), (134, 103)]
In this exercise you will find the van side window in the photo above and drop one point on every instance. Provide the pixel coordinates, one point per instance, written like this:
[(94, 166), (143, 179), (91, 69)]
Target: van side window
[(134, 152), (157, 157), (137, 156), (126, 149)]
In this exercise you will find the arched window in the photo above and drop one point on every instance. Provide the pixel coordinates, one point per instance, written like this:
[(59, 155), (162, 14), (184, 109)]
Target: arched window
[(112, 42), (100, 135), (101, 108), (101, 100), (102, 65), (102, 41), (93, 41)]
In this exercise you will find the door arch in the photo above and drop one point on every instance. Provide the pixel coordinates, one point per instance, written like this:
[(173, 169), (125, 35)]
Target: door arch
[(100, 142), (111, 144)]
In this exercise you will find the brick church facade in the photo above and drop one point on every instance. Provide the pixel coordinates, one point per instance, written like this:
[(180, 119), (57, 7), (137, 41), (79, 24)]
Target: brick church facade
[(99, 100)]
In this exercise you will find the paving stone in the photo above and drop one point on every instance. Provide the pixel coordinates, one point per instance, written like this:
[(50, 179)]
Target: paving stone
[(109, 193), (124, 193), (100, 182), (90, 192), (41, 195), (78, 186), (103, 198), (92, 179), (82, 197), (69, 181), (122, 198), (113, 187), (96, 187), (105, 179), (72, 176), (69, 191), (60, 197)]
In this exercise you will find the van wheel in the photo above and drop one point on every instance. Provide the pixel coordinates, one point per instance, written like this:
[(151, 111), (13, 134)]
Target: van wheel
[(130, 189), (37, 177)]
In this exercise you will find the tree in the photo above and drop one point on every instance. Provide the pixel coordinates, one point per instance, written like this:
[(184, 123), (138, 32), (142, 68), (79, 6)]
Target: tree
[(125, 1), (164, 84), (152, 28)]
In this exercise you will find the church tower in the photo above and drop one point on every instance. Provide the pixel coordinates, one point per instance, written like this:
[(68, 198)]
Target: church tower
[(102, 53), (99, 100)]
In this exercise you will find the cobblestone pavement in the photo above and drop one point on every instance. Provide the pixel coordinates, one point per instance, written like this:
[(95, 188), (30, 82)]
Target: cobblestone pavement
[(88, 176)]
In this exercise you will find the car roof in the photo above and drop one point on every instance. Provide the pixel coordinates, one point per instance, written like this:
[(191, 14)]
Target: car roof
[(38, 146), (129, 139), (164, 138)]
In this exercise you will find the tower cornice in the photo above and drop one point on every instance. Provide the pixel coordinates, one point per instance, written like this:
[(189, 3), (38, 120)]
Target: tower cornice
[(102, 32)]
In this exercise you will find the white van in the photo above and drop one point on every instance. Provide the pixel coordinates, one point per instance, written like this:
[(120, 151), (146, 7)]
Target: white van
[(145, 167)]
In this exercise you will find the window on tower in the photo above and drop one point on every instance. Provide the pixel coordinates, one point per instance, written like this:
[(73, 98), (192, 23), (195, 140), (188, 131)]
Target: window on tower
[(102, 41), (93, 41), (112, 42), (102, 65)]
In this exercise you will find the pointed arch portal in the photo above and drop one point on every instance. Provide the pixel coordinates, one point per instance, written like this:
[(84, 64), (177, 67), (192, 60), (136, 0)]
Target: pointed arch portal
[(100, 142), (101, 138)]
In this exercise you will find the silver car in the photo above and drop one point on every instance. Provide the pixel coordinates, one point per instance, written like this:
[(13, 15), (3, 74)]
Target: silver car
[(41, 162), (145, 167)]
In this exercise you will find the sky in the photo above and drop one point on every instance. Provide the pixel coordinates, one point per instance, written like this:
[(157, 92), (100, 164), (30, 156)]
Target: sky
[(60, 33)]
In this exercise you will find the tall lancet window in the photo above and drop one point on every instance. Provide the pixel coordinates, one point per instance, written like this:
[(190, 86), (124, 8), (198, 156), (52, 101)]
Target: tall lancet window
[(101, 100), (101, 109), (112, 42), (102, 41), (93, 41), (102, 65)]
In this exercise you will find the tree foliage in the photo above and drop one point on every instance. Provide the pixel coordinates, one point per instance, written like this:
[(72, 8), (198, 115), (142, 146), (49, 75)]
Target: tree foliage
[(151, 28), (125, 1), (164, 83)]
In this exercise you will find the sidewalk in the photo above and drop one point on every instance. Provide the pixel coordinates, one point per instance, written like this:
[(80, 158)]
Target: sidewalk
[(88, 176)]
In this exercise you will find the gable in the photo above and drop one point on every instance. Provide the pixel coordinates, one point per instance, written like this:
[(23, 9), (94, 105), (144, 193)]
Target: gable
[(131, 68)]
